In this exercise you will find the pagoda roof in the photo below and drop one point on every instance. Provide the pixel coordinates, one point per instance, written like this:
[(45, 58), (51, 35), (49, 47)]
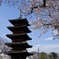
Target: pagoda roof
[(19, 53), (19, 44), (16, 28), (24, 36), (18, 20)]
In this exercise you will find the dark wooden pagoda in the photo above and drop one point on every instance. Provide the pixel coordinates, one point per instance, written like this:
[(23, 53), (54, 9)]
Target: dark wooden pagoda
[(19, 38)]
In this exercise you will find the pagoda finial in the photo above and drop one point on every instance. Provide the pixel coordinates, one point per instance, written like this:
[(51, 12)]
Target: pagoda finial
[(20, 14), (20, 10)]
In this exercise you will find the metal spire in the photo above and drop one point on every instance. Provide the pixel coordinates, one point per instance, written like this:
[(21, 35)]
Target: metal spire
[(20, 10), (38, 54), (20, 14)]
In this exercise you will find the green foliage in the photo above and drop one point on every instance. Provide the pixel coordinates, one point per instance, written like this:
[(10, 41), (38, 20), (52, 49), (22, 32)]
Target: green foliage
[(43, 55), (53, 55)]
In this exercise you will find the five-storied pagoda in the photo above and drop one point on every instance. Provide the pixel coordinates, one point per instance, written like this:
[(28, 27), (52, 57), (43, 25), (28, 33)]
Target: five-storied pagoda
[(19, 38)]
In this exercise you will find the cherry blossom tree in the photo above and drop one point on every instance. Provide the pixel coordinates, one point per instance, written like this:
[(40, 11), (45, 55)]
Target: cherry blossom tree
[(45, 11), (3, 47)]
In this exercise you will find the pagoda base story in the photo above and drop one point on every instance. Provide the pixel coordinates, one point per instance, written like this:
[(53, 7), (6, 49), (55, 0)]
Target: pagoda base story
[(18, 57)]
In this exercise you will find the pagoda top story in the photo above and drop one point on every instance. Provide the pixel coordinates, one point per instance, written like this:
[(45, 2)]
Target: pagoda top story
[(19, 21)]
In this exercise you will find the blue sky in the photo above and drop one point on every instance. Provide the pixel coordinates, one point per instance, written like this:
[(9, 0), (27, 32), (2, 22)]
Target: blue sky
[(44, 43)]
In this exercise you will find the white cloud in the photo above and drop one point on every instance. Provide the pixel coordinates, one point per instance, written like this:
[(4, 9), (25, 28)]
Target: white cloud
[(55, 32), (49, 38), (46, 48)]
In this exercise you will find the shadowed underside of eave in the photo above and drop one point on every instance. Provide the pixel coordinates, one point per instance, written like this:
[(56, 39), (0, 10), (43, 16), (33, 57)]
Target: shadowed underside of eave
[(22, 28), (19, 53), (24, 36), (19, 44)]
